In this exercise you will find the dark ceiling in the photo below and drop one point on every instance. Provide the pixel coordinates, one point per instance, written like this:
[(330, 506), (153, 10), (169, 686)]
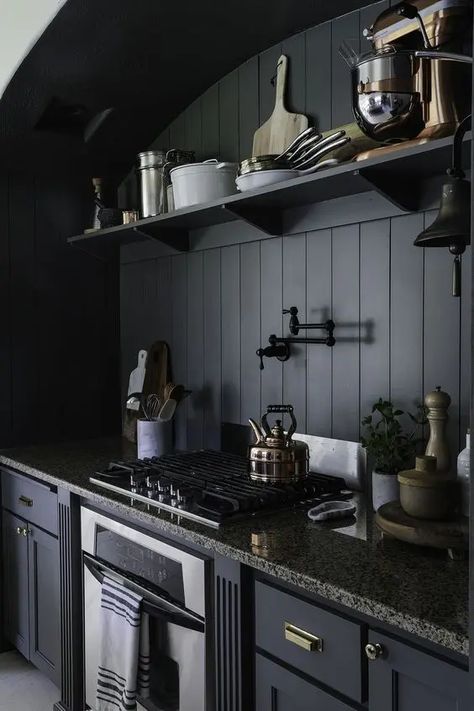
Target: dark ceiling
[(148, 59)]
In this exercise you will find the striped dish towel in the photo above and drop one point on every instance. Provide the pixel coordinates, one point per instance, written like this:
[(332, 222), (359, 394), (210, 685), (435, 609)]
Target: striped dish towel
[(120, 647)]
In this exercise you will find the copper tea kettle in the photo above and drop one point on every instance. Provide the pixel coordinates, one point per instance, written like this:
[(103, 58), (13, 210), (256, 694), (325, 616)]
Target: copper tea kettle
[(276, 458)]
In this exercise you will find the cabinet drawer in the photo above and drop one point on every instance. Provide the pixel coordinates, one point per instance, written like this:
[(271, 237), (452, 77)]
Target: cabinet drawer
[(278, 689), (320, 643), (31, 500)]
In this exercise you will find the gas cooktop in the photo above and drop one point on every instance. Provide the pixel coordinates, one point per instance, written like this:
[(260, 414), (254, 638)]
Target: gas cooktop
[(210, 487)]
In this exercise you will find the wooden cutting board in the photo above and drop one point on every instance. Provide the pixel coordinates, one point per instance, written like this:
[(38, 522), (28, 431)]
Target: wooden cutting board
[(282, 127)]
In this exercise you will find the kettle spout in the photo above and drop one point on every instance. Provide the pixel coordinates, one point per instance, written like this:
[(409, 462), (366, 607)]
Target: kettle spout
[(259, 434)]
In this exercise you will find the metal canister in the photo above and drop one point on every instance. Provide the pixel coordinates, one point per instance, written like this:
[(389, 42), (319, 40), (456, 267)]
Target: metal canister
[(150, 178)]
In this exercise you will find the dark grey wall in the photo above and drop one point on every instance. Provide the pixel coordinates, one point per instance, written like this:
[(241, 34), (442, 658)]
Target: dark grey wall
[(399, 331), (58, 313)]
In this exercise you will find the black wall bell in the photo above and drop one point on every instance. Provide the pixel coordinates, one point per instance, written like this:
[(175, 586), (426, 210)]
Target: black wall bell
[(452, 226)]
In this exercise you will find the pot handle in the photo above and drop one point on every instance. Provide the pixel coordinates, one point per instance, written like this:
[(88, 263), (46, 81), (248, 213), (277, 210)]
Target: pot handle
[(280, 409)]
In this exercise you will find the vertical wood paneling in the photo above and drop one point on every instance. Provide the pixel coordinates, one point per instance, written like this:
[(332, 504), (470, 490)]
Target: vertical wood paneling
[(229, 117), (318, 76), (441, 334), (465, 338), (249, 330), (406, 314), (267, 69), (195, 350), (230, 333), (24, 322), (248, 106), (210, 123), (271, 268), (163, 313), (295, 49), (193, 128), (345, 28), (5, 345), (162, 142), (179, 339), (130, 322), (318, 309), (178, 132), (346, 314), (294, 294), (399, 332), (374, 310), (212, 348)]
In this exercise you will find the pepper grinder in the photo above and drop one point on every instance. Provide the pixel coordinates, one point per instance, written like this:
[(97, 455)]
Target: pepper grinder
[(437, 403)]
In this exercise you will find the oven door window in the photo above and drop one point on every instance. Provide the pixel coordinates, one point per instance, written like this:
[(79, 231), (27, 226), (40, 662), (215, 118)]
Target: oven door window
[(141, 562)]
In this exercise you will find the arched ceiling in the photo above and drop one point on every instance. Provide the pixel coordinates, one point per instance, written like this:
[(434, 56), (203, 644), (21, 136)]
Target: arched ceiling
[(145, 59)]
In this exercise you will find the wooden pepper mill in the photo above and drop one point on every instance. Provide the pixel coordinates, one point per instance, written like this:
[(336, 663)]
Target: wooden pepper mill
[(437, 403)]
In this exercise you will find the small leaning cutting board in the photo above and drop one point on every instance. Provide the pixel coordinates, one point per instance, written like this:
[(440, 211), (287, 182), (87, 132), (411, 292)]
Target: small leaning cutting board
[(282, 127)]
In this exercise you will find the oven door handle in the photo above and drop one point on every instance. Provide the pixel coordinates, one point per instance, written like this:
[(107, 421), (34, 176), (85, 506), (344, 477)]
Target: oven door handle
[(174, 615)]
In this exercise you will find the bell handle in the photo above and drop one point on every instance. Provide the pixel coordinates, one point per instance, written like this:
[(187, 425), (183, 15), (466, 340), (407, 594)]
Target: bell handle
[(258, 432), (280, 409)]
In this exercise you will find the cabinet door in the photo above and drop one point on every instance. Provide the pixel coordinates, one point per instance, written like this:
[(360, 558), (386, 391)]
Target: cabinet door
[(277, 689), (15, 582), (405, 679), (43, 558)]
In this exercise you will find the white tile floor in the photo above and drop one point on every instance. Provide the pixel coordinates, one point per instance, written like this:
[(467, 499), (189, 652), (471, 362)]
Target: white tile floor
[(23, 687)]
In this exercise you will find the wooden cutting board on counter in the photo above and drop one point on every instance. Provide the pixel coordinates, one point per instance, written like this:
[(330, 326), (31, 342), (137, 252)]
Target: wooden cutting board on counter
[(282, 127)]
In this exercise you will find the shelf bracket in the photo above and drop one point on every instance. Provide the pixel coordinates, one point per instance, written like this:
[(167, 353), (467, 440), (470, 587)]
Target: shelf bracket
[(177, 239), (265, 219), (401, 193)]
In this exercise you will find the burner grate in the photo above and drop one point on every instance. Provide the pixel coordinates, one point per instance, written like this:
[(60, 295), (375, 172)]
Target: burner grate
[(210, 486)]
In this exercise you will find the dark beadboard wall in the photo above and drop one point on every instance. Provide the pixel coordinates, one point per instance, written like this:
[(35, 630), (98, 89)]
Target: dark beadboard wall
[(59, 334), (399, 332)]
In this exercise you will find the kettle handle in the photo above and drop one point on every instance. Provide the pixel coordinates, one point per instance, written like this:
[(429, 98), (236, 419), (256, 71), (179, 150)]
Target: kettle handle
[(280, 409)]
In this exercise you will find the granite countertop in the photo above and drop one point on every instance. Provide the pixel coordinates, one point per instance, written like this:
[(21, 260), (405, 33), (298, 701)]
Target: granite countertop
[(417, 590)]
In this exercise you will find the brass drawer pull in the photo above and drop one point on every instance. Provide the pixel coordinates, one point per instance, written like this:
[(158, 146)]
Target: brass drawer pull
[(305, 640), (25, 501), (22, 531)]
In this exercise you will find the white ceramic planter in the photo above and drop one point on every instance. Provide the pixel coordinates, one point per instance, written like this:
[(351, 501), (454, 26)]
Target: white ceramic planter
[(385, 488)]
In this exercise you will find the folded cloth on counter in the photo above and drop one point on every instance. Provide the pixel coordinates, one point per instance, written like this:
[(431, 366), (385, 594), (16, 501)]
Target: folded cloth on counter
[(119, 647)]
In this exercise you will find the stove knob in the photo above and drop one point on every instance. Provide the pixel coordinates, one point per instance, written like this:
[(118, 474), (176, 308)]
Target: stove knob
[(137, 482), (184, 497), (174, 490), (152, 482), (162, 486)]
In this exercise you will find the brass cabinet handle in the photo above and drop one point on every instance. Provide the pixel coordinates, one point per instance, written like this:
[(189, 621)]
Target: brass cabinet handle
[(305, 640), (374, 651), (21, 531), (25, 501)]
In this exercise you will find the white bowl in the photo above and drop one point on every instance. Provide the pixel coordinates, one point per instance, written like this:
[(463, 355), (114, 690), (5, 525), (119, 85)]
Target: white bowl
[(260, 178)]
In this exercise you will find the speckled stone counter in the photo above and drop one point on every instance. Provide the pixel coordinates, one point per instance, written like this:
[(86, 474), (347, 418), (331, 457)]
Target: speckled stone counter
[(417, 590)]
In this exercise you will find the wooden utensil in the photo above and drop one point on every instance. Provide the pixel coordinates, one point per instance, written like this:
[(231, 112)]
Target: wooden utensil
[(282, 127)]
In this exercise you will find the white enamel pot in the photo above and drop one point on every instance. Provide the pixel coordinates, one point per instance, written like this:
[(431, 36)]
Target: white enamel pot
[(197, 183)]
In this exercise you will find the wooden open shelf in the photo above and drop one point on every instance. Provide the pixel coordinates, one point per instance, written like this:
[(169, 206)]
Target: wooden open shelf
[(402, 177)]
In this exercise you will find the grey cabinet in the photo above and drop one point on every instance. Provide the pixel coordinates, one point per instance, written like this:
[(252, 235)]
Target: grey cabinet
[(31, 593), (406, 679), (43, 586), (15, 582), (277, 689)]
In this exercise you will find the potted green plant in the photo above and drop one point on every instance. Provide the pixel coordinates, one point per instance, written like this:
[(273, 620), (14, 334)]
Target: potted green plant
[(390, 448)]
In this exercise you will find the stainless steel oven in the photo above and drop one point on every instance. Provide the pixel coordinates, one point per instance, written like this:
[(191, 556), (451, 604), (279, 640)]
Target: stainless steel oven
[(173, 585)]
